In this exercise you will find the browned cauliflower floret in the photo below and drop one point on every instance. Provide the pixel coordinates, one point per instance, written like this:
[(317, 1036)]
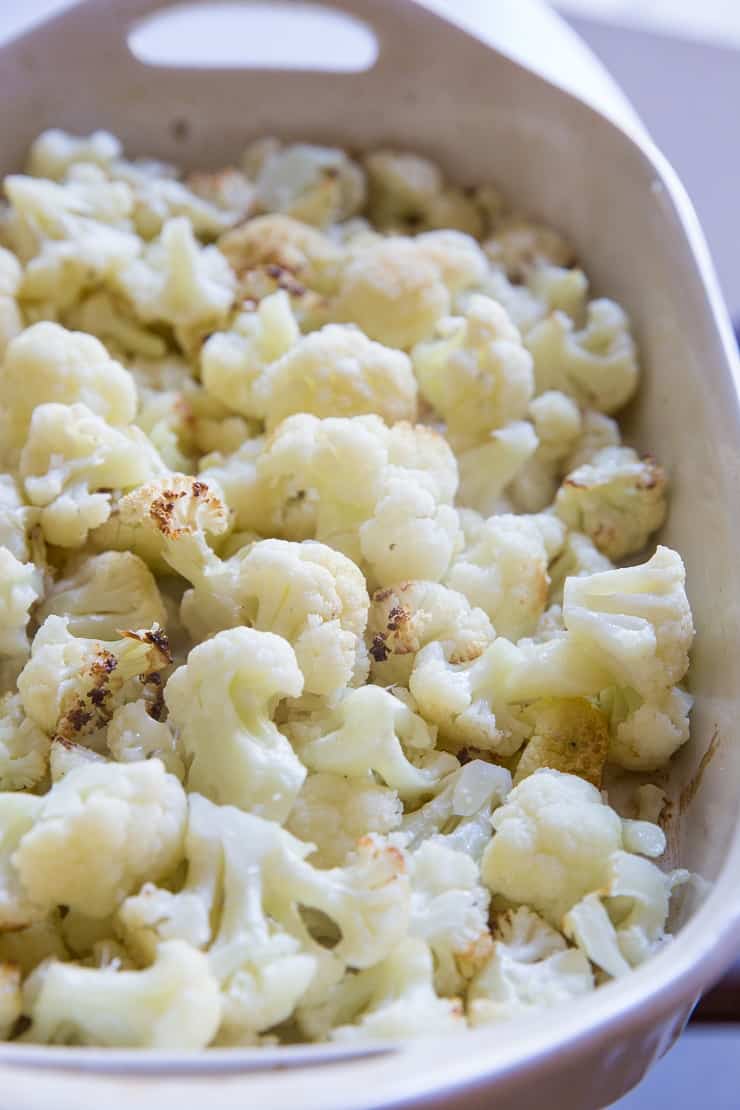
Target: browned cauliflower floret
[(570, 735)]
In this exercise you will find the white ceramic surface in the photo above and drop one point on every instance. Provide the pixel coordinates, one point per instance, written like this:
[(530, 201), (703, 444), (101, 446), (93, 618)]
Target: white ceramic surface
[(613, 194)]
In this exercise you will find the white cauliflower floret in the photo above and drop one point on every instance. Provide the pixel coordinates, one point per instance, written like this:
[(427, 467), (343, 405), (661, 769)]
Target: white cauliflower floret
[(476, 373), (48, 363), (312, 596), (578, 558), (259, 948), (99, 594), (70, 686), (222, 702), (394, 999), (317, 184), (531, 968), (406, 192), (11, 320), (597, 432), (459, 814), (133, 734), (557, 423), (112, 320), (65, 755), (597, 365), (371, 730), (393, 291), (16, 518), (174, 1004), (618, 499), (49, 210), (623, 923), (24, 747), (404, 618), (635, 620), (70, 463), (54, 151), (177, 508), (17, 911), (178, 282), (21, 584), (645, 734), (10, 998), (547, 289), (487, 470), (519, 246), (449, 911), (469, 702), (381, 495), (233, 361), (99, 833), (337, 371), (236, 476), (458, 256), (551, 845), (504, 572), (334, 812)]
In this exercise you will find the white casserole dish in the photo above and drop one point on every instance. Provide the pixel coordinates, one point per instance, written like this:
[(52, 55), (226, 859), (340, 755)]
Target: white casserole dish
[(442, 92)]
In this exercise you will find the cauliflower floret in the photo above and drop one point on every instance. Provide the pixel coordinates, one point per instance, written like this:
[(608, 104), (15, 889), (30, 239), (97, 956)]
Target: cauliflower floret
[(618, 499), (99, 833), (551, 845), (65, 755), (17, 911), (317, 184), (134, 734), (476, 373), (338, 371), (222, 702), (531, 968), (623, 923), (381, 495), (334, 812), (504, 572), (177, 508), (369, 731), (24, 747), (233, 361), (557, 423), (597, 432), (395, 999), (519, 246), (597, 365), (112, 320), (259, 947), (277, 252), (636, 621), (101, 593), (10, 998), (307, 593), (48, 363), (459, 814), (70, 686), (174, 1004), (72, 460), (11, 320), (16, 519), (178, 282), (236, 476), (393, 291), (487, 470), (21, 584), (458, 256), (547, 289), (645, 734), (406, 193), (449, 911), (577, 559), (469, 702), (43, 209), (54, 151), (570, 735), (404, 618)]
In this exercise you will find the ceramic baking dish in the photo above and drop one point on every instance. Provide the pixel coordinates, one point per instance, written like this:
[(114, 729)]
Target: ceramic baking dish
[(437, 89)]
